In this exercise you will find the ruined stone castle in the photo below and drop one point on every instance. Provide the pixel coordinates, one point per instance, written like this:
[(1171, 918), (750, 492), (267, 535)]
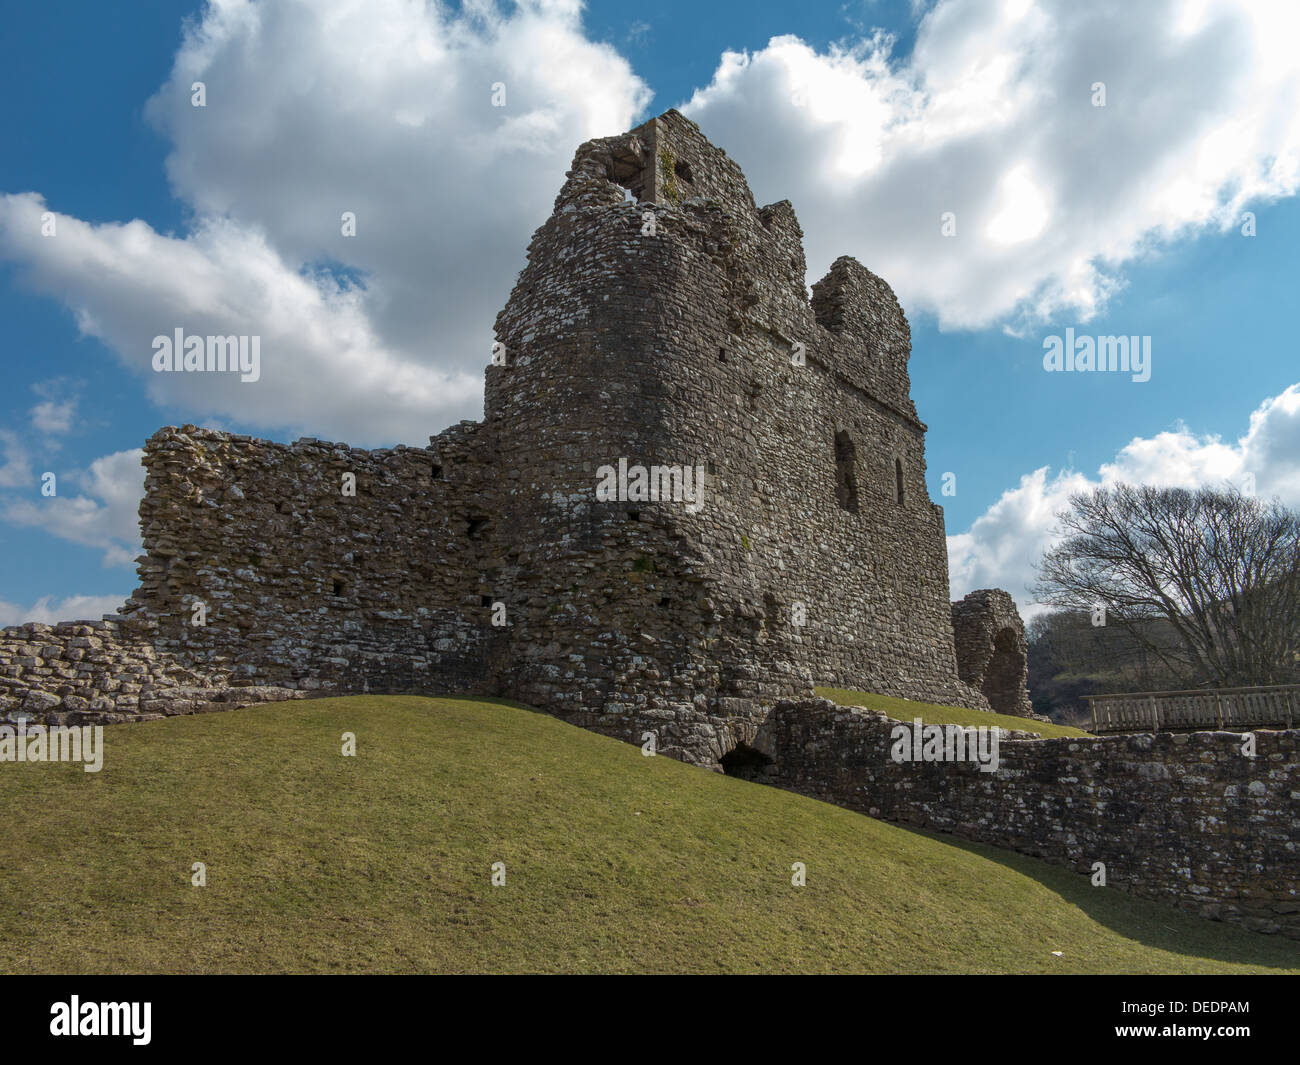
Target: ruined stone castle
[(662, 321)]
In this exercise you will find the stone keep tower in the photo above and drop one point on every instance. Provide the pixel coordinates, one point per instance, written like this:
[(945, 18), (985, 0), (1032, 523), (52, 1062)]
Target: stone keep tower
[(662, 320)]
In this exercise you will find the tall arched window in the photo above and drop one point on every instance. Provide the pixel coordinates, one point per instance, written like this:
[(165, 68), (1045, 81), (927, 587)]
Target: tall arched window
[(898, 481), (846, 482)]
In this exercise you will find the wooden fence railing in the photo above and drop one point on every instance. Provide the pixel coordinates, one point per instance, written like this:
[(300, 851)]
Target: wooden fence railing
[(1223, 708)]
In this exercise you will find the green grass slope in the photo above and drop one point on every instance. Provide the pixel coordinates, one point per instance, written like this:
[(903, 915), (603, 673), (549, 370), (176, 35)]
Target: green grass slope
[(615, 862), (936, 714)]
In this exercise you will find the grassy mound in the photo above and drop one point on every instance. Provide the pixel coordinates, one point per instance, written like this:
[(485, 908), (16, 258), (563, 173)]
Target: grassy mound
[(935, 714), (614, 862)]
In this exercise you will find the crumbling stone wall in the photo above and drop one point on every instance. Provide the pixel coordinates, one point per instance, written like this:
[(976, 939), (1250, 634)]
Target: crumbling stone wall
[(661, 319), (1182, 818), (106, 672), (306, 585), (992, 654)]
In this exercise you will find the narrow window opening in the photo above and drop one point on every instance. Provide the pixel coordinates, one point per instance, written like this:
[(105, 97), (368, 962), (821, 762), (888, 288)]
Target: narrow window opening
[(722, 354), (474, 530), (846, 483), (665, 601), (485, 600), (339, 588), (633, 515), (898, 481), (683, 171), (436, 472)]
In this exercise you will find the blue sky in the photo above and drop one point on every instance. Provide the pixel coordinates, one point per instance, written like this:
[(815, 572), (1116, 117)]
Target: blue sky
[(1128, 223)]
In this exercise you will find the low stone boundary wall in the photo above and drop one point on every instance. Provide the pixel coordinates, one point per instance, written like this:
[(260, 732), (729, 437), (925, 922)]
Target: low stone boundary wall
[(106, 672), (1183, 818)]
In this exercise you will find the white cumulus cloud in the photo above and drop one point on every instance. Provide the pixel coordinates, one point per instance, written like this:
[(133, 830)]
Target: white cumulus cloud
[(1004, 544), (15, 461), (72, 608), (991, 117), (380, 109), (101, 511), (56, 413)]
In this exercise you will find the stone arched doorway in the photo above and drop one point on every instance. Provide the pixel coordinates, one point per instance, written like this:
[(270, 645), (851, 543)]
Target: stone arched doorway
[(745, 762), (1004, 675)]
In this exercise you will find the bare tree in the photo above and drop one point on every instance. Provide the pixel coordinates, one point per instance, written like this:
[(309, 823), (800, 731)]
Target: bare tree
[(1208, 582)]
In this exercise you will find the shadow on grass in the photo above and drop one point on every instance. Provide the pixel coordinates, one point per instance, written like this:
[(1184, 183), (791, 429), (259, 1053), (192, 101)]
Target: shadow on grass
[(459, 697), (1153, 924), (496, 700)]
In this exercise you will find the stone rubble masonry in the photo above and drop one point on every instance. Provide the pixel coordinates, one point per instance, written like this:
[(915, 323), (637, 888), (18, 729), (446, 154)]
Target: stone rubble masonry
[(1181, 818), (992, 654), (106, 672), (817, 556)]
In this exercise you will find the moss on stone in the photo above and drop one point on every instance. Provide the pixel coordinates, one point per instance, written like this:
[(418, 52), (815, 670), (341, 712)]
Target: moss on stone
[(668, 164)]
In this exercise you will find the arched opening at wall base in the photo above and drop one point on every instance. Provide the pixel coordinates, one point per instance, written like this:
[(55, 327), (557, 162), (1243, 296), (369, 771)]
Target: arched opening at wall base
[(745, 762)]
